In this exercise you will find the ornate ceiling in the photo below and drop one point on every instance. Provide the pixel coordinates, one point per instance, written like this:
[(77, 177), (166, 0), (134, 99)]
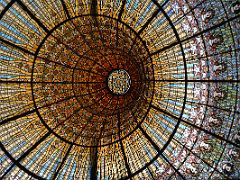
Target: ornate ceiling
[(110, 89)]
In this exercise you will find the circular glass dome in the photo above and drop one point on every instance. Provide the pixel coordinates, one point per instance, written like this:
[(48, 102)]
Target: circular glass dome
[(109, 89)]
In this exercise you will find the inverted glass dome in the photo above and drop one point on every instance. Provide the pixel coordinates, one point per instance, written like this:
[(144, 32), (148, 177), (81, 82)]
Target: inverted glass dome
[(110, 89)]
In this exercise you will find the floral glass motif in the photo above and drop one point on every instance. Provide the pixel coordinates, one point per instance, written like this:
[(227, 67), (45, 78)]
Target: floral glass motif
[(119, 81)]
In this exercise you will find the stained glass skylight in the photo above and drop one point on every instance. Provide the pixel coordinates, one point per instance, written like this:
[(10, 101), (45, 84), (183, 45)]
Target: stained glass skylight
[(119, 89)]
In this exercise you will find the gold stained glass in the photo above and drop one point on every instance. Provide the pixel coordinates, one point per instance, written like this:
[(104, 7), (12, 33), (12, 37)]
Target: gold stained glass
[(119, 89)]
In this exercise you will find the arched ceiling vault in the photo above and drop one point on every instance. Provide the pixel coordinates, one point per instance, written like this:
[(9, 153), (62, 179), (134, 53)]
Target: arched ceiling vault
[(110, 89)]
